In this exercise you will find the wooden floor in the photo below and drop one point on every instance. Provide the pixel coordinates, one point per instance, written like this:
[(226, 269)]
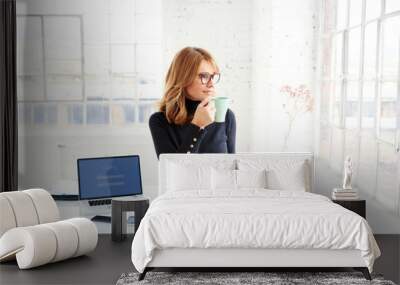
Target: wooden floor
[(111, 259)]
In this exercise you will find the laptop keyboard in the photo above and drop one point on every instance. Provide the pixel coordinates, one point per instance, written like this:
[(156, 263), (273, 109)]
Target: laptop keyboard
[(99, 202)]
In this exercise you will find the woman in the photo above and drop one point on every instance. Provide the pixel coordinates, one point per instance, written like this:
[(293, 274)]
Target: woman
[(185, 121)]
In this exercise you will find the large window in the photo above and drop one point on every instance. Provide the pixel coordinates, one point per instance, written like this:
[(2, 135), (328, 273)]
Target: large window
[(96, 68), (360, 65), (89, 73)]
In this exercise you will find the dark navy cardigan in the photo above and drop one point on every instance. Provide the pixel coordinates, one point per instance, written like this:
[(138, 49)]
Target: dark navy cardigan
[(189, 138)]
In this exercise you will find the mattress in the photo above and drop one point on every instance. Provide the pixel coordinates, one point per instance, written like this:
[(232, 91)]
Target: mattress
[(250, 218)]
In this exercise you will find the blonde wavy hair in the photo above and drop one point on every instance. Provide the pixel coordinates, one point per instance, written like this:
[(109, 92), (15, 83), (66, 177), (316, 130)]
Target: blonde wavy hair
[(181, 73)]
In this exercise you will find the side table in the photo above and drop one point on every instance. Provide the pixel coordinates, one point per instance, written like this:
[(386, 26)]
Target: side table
[(357, 206), (138, 204)]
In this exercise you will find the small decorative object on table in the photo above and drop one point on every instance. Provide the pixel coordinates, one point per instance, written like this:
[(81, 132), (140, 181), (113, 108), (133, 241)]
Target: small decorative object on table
[(130, 222), (348, 173), (346, 192), (347, 196)]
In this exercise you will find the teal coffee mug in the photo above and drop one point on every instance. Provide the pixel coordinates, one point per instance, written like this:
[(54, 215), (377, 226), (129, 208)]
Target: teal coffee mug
[(221, 106)]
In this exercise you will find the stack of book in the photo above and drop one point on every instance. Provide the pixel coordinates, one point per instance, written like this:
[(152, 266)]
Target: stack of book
[(344, 194)]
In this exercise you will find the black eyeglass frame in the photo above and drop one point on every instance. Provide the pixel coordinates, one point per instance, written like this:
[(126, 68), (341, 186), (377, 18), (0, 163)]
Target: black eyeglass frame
[(211, 77)]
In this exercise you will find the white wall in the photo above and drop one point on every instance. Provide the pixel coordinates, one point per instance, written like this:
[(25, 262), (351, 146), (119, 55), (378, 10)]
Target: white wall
[(127, 46), (224, 29), (259, 46), (283, 53), (117, 55)]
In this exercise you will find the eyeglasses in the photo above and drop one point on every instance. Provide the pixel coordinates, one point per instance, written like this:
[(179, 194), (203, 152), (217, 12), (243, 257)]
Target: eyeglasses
[(206, 77)]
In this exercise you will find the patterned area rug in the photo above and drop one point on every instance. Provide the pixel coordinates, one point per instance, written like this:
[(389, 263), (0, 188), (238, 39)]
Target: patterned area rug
[(229, 278)]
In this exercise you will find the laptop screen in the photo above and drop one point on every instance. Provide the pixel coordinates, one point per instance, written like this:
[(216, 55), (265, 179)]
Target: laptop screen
[(106, 177)]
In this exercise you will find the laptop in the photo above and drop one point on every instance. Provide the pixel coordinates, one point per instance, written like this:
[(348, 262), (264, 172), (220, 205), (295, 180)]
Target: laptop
[(103, 178)]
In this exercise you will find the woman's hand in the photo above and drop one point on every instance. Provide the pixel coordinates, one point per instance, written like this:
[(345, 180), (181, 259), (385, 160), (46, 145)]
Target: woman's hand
[(205, 113)]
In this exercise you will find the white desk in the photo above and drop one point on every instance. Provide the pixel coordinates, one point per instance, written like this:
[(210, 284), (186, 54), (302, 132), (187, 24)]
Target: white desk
[(72, 209)]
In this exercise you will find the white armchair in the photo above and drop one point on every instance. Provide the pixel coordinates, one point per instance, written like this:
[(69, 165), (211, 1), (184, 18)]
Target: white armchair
[(31, 230)]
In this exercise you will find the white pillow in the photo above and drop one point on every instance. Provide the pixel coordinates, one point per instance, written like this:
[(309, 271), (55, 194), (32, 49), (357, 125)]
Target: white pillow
[(283, 174), (223, 179), (294, 181), (251, 178), (183, 177)]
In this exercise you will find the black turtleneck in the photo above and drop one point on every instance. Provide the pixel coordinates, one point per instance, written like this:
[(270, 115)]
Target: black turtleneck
[(189, 138)]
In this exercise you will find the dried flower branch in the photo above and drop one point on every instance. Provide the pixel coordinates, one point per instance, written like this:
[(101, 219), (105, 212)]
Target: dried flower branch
[(297, 102)]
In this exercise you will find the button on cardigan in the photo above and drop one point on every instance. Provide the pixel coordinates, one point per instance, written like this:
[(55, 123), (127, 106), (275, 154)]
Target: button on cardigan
[(189, 138)]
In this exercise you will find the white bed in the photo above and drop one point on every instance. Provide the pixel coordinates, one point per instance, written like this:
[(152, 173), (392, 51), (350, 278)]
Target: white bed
[(201, 221)]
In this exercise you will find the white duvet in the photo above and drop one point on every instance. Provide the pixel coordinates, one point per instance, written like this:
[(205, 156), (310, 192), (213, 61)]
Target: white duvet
[(251, 218)]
